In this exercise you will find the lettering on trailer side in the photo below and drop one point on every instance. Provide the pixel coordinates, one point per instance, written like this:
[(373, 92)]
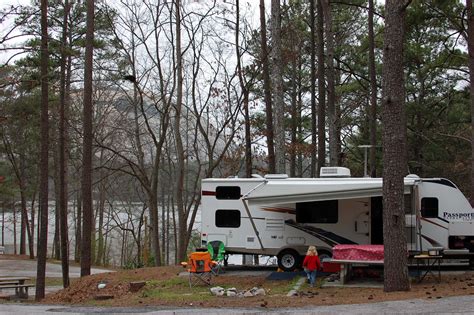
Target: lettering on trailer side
[(464, 216)]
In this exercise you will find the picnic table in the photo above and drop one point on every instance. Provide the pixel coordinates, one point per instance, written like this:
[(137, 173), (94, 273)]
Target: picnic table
[(17, 283), (349, 255)]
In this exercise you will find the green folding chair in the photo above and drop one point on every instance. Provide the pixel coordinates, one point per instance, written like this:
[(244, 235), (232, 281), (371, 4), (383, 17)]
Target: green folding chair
[(217, 251)]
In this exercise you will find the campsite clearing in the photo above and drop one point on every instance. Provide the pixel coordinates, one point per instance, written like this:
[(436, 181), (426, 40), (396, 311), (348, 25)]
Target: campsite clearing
[(165, 287)]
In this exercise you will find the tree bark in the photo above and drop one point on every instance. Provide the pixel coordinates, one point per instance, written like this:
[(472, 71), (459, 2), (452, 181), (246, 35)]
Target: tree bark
[(373, 93), (245, 94), (15, 244), (333, 157), (277, 88), (43, 228), (294, 119), (321, 89), (394, 150), (78, 236), (87, 211), (63, 179), (314, 116), (100, 212), (179, 144), (470, 50), (267, 90)]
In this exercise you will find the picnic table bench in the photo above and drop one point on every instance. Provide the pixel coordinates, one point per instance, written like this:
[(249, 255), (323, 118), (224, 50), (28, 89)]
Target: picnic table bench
[(17, 283)]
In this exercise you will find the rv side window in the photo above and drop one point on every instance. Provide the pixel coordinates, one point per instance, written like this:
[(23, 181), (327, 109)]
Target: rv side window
[(228, 218), (228, 192), (429, 207), (317, 212)]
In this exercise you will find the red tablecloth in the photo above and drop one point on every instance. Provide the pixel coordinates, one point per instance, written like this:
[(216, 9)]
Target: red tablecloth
[(358, 252)]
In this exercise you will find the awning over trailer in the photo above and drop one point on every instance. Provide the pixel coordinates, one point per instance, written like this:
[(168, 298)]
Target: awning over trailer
[(292, 191)]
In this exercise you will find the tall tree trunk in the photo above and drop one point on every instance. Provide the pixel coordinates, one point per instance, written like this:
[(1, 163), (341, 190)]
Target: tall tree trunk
[(63, 180), (267, 88), (182, 222), (43, 227), (163, 218), (153, 209), (87, 212), (294, 120), (3, 225), (15, 244), (78, 236), (373, 93), (277, 88), (245, 94), (338, 120), (24, 213), (321, 90), (29, 228), (331, 83), (100, 212), (56, 251), (314, 131), (300, 122), (470, 49), (23, 219), (394, 149)]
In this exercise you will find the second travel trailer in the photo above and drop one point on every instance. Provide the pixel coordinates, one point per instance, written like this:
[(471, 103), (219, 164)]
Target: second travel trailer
[(280, 216)]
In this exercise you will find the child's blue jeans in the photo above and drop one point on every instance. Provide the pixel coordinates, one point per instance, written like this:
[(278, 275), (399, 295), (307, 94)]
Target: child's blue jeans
[(311, 275)]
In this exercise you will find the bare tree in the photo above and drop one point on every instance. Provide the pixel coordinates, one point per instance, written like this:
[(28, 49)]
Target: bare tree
[(63, 192), (331, 90), (394, 149), (43, 228), (373, 91), (277, 88), (312, 43), (87, 211), (245, 94), (179, 144), (321, 88), (267, 90)]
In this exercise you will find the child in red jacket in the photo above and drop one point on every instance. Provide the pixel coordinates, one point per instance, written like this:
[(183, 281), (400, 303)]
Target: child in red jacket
[(311, 264)]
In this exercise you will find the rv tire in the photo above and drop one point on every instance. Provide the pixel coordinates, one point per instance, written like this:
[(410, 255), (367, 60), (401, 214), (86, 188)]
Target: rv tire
[(289, 260)]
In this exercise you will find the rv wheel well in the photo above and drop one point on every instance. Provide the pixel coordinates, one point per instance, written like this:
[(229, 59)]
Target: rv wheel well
[(324, 254)]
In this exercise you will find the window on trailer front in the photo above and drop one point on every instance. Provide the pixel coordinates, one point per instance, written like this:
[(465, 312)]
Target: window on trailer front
[(317, 212), (228, 192)]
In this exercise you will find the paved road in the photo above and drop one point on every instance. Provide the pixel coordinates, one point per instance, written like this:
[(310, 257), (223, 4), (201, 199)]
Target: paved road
[(27, 268), (458, 304)]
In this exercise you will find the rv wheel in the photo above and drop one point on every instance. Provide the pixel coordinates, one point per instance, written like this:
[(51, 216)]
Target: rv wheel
[(288, 260)]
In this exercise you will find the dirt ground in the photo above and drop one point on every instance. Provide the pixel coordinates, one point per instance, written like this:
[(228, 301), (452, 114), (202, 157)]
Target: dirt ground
[(164, 286)]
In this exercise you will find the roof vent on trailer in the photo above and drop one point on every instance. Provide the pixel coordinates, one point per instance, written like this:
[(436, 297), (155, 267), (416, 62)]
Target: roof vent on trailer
[(331, 172)]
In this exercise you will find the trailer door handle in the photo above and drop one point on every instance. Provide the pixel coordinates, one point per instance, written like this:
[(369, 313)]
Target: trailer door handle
[(355, 225)]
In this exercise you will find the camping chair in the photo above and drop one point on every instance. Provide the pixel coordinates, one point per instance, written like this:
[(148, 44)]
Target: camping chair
[(200, 267), (217, 251)]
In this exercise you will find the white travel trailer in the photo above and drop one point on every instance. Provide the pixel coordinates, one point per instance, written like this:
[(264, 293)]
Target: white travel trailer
[(281, 216)]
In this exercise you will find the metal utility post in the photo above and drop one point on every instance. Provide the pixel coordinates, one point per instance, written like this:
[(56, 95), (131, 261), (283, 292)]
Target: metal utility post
[(366, 147)]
